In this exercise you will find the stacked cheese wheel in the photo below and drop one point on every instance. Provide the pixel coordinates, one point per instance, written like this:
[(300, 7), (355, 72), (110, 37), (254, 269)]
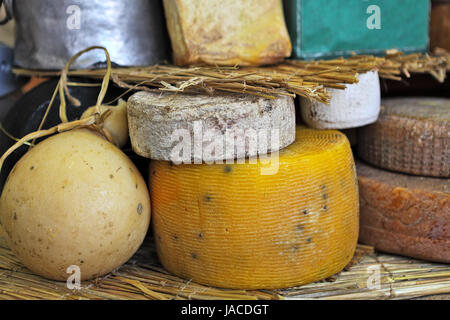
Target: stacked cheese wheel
[(407, 211), (356, 106), (411, 136), (210, 127), (230, 225), (405, 214)]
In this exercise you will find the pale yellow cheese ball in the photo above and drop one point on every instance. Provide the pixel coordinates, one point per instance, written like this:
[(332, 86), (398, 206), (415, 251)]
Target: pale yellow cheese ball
[(74, 200)]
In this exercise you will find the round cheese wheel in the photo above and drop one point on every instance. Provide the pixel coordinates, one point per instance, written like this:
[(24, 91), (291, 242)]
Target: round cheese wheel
[(404, 214), (356, 106), (242, 225), (194, 128), (412, 136)]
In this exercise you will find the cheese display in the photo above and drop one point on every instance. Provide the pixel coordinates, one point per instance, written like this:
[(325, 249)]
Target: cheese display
[(216, 32), (233, 225), (412, 136), (356, 106), (194, 128), (74, 201), (405, 214)]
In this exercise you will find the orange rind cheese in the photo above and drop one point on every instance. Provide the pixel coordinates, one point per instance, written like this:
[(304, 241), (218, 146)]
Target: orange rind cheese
[(229, 225)]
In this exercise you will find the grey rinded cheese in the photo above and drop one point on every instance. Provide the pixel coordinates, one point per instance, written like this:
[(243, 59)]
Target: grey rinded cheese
[(404, 214), (412, 136), (194, 128), (232, 32), (356, 106)]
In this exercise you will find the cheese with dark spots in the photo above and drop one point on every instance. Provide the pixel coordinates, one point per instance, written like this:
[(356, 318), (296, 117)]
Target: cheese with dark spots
[(254, 231)]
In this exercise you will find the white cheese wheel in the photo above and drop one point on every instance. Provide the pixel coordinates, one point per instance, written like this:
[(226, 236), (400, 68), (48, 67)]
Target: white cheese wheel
[(356, 106)]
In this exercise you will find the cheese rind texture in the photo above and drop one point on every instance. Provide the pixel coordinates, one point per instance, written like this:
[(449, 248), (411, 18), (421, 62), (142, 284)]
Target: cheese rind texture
[(194, 128), (228, 225), (404, 214), (356, 106), (412, 136), (231, 32)]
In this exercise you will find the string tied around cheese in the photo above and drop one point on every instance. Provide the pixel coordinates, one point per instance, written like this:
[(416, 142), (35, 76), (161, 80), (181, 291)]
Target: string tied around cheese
[(95, 121)]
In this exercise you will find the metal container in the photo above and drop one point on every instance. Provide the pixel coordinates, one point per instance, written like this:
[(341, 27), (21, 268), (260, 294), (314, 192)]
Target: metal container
[(49, 32)]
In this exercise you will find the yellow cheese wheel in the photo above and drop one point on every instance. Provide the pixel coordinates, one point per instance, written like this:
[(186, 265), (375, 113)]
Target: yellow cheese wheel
[(228, 225)]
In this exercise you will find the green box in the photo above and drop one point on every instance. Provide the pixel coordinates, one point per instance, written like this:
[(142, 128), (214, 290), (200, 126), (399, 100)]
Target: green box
[(331, 28)]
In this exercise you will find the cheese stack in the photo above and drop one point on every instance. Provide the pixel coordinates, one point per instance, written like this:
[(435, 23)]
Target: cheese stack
[(356, 106), (287, 219), (400, 213), (231, 32)]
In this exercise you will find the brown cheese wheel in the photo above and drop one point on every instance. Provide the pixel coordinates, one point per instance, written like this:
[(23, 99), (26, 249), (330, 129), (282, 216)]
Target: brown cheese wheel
[(404, 214), (412, 135)]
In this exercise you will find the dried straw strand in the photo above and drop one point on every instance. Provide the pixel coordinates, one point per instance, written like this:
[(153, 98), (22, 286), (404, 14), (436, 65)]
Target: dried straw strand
[(142, 278), (292, 77)]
